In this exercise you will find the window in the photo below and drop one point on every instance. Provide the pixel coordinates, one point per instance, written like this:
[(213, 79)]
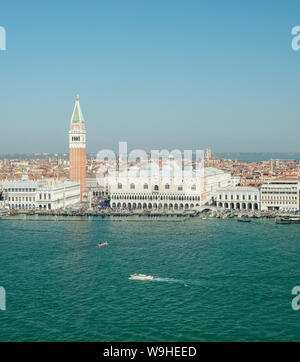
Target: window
[(179, 188), (193, 187), (119, 185), (167, 186), (145, 186), (132, 186), (156, 188)]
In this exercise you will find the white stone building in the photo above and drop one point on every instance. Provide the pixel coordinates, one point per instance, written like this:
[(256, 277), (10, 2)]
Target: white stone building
[(165, 190), (95, 189), (239, 198), (59, 195), (20, 194), (213, 180), (282, 195), (32, 195), (2, 202)]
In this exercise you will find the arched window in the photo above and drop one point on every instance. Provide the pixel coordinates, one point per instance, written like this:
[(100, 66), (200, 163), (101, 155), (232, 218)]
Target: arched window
[(145, 186), (179, 188), (119, 185), (167, 186), (156, 188), (132, 186), (193, 187)]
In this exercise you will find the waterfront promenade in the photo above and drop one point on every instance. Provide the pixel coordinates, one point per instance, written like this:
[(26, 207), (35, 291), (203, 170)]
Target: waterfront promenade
[(203, 212)]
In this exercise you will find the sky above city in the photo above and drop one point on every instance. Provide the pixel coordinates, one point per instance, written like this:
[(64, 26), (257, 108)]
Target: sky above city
[(158, 74)]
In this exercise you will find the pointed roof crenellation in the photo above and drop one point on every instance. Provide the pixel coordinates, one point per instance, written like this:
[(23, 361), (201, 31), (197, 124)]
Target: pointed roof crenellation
[(77, 116)]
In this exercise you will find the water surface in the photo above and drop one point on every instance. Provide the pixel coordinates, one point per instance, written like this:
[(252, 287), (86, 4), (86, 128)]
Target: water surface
[(215, 280)]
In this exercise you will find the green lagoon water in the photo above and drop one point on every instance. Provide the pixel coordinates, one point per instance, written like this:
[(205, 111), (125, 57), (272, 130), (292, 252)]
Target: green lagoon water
[(215, 280)]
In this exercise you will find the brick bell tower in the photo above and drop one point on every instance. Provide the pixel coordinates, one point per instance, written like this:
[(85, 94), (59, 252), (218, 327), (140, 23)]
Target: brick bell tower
[(77, 147)]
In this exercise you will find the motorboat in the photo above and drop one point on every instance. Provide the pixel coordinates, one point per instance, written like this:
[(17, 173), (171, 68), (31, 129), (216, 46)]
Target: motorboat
[(294, 219), (141, 277), (102, 244), (283, 221), (242, 219)]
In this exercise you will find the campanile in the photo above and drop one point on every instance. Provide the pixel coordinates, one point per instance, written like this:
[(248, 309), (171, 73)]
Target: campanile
[(77, 147)]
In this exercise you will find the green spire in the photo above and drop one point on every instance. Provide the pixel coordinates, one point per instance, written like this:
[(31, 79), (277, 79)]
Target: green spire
[(77, 116)]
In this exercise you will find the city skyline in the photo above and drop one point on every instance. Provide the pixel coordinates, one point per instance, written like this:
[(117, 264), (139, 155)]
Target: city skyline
[(154, 75)]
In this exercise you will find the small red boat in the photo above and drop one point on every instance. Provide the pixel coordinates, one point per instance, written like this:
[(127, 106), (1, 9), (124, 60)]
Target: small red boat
[(102, 244)]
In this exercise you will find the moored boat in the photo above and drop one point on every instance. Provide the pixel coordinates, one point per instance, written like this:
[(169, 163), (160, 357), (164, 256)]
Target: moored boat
[(283, 221), (294, 220), (244, 219)]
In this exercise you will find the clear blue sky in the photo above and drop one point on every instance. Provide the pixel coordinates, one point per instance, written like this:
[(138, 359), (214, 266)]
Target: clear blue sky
[(158, 74)]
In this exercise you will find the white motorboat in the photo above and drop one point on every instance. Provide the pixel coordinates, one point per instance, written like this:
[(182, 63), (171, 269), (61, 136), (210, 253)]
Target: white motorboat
[(141, 277)]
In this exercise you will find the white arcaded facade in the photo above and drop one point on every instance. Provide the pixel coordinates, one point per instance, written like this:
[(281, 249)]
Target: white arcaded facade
[(238, 198), (138, 189), (40, 195), (95, 189)]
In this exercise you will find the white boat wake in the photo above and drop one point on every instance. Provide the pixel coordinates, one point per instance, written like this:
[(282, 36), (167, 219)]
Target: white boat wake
[(158, 279), (171, 280), (168, 280)]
